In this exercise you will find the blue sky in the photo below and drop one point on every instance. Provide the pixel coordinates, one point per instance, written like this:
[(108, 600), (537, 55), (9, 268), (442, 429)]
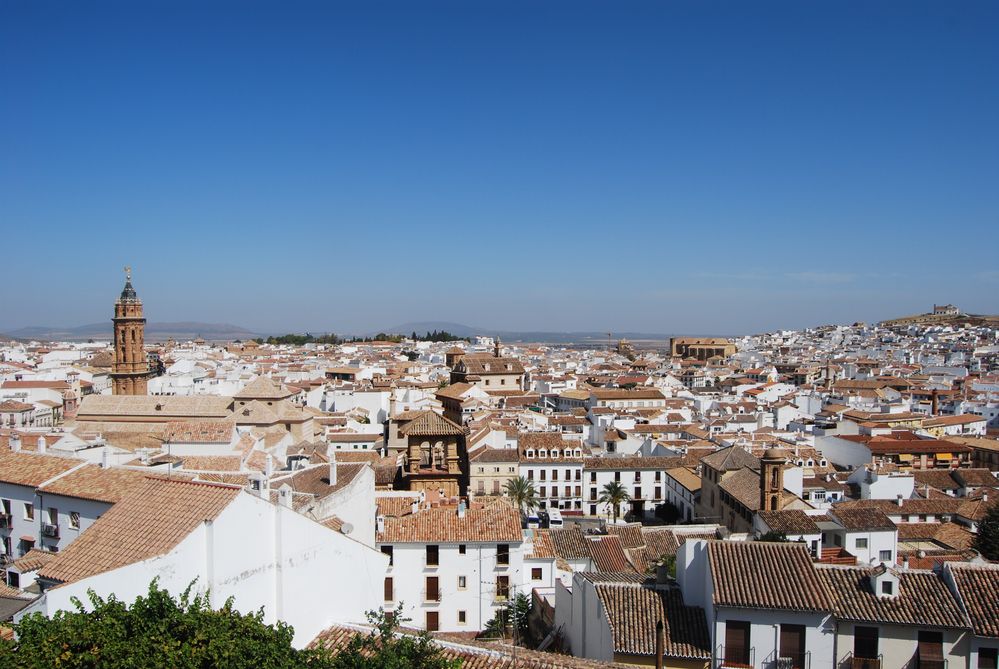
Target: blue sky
[(647, 166)]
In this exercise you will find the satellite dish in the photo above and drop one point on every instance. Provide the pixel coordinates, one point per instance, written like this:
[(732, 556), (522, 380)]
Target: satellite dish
[(346, 528)]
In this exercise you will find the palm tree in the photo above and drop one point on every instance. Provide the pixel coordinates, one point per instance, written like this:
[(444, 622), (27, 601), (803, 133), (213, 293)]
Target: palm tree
[(522, 493), (614, 495)]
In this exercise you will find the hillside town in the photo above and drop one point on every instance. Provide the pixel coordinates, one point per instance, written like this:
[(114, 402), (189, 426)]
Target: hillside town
[(789, 500)]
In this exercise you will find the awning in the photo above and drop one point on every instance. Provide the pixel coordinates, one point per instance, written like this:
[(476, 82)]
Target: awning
[(28, 538), (944, 456), (905, 457)]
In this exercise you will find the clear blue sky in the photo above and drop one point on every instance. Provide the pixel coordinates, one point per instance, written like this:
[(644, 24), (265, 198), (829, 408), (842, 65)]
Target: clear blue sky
[(653, 166)]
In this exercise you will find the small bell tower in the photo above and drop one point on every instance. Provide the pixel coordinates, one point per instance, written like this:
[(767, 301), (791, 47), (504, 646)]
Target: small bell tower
[(772, 479)]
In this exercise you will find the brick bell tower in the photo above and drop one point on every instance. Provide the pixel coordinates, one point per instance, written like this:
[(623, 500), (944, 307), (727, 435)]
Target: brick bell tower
[(772, 479), (130, 372)]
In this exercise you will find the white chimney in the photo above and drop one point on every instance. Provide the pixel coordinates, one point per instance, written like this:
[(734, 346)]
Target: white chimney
[(985, 497), (269, 466), (416, 506), (284, 496), (15, 442), (380, 523), (106, 458), (898, 500), (461, 509), (332, 457), (41, 444), (905, 563)]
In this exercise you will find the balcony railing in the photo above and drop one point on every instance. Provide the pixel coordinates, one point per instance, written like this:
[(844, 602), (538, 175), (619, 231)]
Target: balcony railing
[(793, 661), (930, 663), (737, 660), (854, 662)]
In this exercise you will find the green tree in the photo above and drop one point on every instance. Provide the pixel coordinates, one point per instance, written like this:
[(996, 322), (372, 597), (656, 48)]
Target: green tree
[(522, 492), (511, 619), (384, 648), (987, 540), (614, 495), (159, 631), (772, 536)]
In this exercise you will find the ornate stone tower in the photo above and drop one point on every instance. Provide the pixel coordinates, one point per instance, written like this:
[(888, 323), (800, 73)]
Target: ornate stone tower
[(130, 372), (772, 480)]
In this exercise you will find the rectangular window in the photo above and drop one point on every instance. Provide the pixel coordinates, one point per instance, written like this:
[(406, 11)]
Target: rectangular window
[(29, 511), (568, 491), (433, 556), (659, 492), (461, 617), (461, 549), (462, 582), (74, 519), (792, 646), (988, 658), (543, 491), (929, 650), (387, 550), (433, 617), (737, 643), (865, 644), (389, 589), (593, 477), (885, 556), (535, 573), (502, 587), (530, 474), (554, 475), (862, 543), (544, 473), (432, 590), (503, 554), (638, 493)]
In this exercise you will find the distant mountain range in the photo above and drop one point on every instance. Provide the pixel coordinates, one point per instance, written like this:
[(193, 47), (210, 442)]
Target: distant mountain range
[(187, 330), (550, 337), (154, 332)]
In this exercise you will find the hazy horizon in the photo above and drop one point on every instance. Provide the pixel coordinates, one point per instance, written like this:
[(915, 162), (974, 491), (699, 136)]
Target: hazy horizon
[(560, 166)]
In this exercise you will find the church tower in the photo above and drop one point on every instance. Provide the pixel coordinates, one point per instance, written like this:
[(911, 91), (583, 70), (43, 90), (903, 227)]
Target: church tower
[(130, 372), (772, 480)]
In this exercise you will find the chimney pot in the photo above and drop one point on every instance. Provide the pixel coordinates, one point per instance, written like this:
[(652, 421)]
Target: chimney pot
[(15, 442), (41, 444), (660, 643)]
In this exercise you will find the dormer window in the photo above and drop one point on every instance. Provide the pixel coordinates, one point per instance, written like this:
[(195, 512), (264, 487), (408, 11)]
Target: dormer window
[(554, 452), (887, 588), (530, 452), (543, 453)]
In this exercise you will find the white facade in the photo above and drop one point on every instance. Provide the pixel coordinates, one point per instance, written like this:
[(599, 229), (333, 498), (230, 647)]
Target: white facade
[(296, 570), (468, 582)]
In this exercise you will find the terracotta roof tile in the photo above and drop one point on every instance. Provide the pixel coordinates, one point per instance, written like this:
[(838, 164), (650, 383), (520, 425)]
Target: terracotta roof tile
[(922, 599), (978, 588), (498, 523), (149, 522), (632, 611), (765, 575)]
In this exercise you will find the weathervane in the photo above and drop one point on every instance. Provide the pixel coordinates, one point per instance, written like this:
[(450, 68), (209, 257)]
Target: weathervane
[(128, 273)]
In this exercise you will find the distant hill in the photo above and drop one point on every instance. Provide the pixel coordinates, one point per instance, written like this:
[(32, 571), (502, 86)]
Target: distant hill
[(154, 332), (550, 337)]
